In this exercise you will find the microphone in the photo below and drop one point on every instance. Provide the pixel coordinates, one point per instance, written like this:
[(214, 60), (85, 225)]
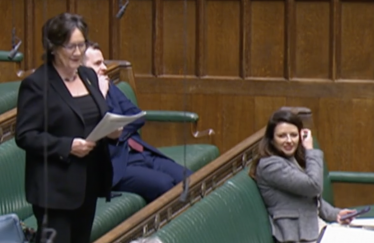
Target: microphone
[(184, 195), (122, 10), (14, 50)]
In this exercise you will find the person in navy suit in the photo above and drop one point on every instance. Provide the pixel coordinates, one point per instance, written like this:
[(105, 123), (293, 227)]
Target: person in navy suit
[(138, 167)]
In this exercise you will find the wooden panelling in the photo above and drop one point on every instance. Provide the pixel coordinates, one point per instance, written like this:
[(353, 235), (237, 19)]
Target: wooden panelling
[(136, 36), (179, 37), (42, 11), (312, 40), (222, 38), (99, 31), (232, 106), (357, 40), (267, 51)]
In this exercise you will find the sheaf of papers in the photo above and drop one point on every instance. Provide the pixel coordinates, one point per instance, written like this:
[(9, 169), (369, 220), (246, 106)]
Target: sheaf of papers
[(344, 234), (111, 122)]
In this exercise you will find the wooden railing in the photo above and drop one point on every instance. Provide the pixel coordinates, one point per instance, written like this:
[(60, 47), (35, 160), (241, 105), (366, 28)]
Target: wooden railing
[(167, 207)]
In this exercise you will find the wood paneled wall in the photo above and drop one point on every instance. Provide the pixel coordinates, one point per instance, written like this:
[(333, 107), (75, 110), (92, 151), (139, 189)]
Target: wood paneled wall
[(235, 61)]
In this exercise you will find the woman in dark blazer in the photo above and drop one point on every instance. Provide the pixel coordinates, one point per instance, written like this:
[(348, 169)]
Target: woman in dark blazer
[(289, 175), (58, 106)]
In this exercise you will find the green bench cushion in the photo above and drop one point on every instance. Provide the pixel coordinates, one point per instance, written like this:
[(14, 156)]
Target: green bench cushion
[(12, 200), (4, 57), (234, 212), (108, 215), (194, 156), (12, 180), (8, 95)]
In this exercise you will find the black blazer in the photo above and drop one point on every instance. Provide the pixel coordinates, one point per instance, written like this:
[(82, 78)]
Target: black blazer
[(66, 177)]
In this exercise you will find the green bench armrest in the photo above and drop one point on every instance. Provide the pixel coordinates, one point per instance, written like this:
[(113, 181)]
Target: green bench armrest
[(171, 116), (4, 57), (352, 177)]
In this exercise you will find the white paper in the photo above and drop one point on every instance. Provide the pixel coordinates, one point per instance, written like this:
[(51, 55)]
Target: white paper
[(343, 234), (366, 222), (111, 122)]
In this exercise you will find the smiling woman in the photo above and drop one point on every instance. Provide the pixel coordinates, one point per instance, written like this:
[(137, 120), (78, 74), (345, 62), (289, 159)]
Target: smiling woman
[(58, 106), (289, 175)]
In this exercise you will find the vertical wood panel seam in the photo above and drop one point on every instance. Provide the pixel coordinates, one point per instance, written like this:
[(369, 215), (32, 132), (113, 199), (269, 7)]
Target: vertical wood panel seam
[(332, 40), (289, 20), (244, 38), (29, 34), (338, 39), (157, 65), (242, 47), (71, 6), (200, 38), (114, 30)]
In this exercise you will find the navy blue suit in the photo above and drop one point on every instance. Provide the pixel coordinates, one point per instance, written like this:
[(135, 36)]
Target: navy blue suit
[(149, 173)]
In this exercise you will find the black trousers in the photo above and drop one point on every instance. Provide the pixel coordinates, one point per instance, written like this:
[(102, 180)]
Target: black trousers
[(71, 226)]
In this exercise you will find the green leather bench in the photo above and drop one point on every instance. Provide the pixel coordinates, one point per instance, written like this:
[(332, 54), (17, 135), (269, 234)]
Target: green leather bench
[(9, 90), (12, 199), (235, 212), (8, 95)]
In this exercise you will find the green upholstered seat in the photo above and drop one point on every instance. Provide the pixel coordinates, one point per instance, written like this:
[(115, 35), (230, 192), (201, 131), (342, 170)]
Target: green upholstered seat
[(235, 212), (12, 199), (232, 213), (108, 215), (342, 176), (194, 156), (8, 95)]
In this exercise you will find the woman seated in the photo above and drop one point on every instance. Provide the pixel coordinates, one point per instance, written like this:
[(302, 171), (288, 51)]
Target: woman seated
[(289, 175)]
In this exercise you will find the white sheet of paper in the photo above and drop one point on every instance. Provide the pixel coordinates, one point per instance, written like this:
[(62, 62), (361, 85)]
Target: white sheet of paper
[(343, 234), (367, 222), (111, 122)]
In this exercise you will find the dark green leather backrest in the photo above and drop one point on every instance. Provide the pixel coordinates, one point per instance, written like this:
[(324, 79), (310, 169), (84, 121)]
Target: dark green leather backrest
[(12, 183), (233, 213), (128, 91), (8, 95), (4, 57), (328, 193)]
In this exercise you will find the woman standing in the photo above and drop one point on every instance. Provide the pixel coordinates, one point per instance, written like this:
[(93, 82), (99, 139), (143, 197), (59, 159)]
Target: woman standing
[(58, 106)]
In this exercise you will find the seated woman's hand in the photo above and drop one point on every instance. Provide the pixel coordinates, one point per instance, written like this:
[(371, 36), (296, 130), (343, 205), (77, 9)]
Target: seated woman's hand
[(115, 134), (81, 147), (344, 212)]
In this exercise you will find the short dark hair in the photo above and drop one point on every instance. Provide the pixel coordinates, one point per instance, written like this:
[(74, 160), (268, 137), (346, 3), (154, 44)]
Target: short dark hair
[(266, 147), (93, 45), (57, 32)]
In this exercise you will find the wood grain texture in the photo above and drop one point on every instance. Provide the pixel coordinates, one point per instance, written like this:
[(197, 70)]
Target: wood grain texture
[(99, 31), (357, 40), (312, 40), (179, 37), (267, 51), (222, 36)]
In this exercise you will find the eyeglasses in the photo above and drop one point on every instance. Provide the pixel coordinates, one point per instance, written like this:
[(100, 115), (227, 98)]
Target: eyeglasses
[(72, 47)]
